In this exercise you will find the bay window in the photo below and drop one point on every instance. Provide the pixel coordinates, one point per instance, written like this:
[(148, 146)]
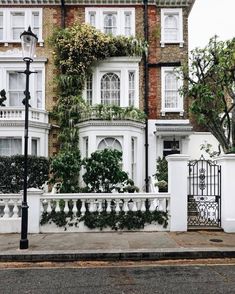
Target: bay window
[(114, 82)]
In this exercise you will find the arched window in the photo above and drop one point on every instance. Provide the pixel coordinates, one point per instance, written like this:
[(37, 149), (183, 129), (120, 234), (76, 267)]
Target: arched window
[(110, 89), (110, 23), (110, 143), (171, 91), (171, 28)]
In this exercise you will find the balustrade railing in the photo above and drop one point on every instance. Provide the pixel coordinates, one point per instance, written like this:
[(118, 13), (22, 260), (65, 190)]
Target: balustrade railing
[(10, 206), (84, 202), (18, 113)]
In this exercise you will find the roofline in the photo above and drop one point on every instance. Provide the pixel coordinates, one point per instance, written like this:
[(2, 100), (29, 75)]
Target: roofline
[(160, 3)]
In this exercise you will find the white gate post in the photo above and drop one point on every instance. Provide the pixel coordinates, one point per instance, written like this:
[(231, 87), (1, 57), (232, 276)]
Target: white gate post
[(178, 187), (227, 163), (34, 210)]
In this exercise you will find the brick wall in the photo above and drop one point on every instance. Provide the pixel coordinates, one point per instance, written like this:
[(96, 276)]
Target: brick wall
[(158, 54)]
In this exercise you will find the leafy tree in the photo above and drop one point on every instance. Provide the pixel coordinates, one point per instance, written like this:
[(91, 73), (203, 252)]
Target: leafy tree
[(103, 171), (211, 87), (65, 167)]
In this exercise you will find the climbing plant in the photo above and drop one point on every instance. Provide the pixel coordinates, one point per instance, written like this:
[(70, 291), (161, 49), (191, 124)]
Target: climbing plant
[(76, 50)]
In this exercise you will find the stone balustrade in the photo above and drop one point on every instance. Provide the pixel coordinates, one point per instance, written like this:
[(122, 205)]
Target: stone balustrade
[(10, 213), (10, 205), (18, 114), (91, 202)]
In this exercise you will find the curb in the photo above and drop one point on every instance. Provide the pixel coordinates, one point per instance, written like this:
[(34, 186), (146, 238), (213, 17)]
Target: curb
[(116, 256)]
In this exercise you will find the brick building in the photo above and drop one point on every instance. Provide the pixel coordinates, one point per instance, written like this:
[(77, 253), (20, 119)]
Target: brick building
[(147, 83)]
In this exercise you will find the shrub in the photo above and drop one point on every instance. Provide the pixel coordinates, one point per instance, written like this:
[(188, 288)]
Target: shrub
[(65, 167), (12, 172), (103, 172)]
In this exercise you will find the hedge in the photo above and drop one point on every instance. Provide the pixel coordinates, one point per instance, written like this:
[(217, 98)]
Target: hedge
[(12, 172)]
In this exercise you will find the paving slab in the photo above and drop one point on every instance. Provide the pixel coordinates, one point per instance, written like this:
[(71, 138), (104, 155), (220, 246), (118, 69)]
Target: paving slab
[(118, 246)]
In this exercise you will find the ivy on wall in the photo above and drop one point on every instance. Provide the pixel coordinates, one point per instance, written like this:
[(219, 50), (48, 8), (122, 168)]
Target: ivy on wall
[(132, 220), (76, 50)]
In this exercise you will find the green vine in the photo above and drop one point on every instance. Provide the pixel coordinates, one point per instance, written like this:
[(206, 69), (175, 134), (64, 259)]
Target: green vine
[(116, 221), (76, 50)]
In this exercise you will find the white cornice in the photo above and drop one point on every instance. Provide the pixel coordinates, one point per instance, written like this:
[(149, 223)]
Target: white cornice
[(13, 123), (161, 3), (110, 123)]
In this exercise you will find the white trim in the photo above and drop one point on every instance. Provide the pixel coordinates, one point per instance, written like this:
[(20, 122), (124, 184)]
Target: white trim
[(180, 108), (120, 12), (177, 12), (28, 19)]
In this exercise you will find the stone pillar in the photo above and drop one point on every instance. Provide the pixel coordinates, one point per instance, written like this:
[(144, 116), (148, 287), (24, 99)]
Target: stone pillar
[(34, 210), (227, 163), (177, 187)]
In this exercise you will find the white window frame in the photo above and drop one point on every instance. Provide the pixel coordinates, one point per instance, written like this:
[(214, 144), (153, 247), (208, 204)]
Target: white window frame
[(99, 13), (177, 12), (6, 68), (180, 108), (28, 21), (120, 66)]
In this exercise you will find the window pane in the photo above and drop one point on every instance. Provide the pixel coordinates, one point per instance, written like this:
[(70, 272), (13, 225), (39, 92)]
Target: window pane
[(38, 77), (35, 24), (17, 19), (1, 25), (1, 19), (133, 159), (110, 23), (89, 89), (16, 88), (17, 24), (131, 88), (110, 89), (171, 147), (110, 143), (171, 91), (171, 28), (10, 146), (34, 147), (92, 18), (35, 20), (127, 23)]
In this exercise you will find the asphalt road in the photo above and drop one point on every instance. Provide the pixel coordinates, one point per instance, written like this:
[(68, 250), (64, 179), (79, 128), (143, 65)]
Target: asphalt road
[(147, 279)]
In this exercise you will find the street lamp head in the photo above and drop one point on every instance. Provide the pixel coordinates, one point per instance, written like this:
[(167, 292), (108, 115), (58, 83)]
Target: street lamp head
[(28, 43)]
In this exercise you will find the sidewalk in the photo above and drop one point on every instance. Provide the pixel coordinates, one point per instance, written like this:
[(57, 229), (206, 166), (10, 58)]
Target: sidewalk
[(118, 246)]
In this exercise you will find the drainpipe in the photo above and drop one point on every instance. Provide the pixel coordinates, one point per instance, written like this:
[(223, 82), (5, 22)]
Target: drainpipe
[(63, 13), (146, 91)]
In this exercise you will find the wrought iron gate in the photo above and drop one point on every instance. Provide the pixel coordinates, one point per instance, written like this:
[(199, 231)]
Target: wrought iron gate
[(204, 194)]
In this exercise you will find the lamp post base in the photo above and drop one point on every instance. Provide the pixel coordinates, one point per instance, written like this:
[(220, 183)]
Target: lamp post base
[(24, 244)]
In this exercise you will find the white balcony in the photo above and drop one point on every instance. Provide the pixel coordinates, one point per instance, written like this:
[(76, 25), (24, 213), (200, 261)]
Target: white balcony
[(8, 114)]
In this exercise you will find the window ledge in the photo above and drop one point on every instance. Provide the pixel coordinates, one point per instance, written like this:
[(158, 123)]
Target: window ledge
[(164, 111), (7, 42), (163, 43)]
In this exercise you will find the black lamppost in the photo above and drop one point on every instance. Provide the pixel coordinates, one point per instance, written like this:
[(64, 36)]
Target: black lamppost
[(28, 43)]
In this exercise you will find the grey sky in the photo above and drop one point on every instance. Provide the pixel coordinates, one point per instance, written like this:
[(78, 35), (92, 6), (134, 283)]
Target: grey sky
[(210, 17)]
